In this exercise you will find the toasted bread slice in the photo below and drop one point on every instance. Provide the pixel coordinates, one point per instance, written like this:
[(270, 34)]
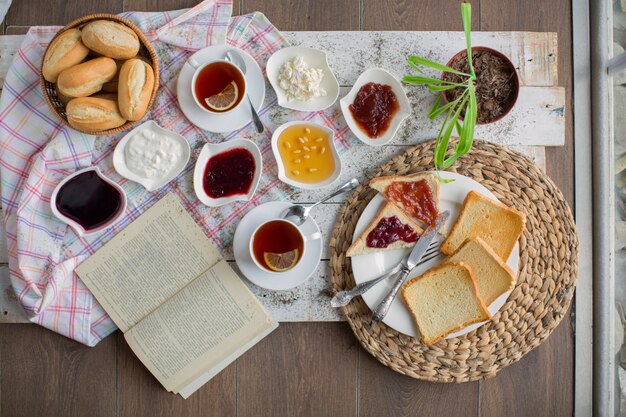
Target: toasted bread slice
[(443, 300), (389, 210), (493, 276), (498, 225), (420, 211)]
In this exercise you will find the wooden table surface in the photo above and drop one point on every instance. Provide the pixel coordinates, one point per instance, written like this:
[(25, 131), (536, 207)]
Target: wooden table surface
[(304, 369)]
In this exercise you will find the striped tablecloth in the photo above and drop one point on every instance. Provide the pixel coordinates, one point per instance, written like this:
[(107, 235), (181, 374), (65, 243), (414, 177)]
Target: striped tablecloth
[(37, 151)]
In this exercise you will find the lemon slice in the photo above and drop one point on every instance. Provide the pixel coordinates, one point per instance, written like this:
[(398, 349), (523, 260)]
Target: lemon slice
[(225, 99), (281, 262)]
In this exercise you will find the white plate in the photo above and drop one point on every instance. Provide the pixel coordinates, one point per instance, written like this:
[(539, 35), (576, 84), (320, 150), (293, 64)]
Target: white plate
[(281, 166), (151, 184), (314, 59), (286, 280), (380, 76), (370, 266), (217, 122), (210, 150)]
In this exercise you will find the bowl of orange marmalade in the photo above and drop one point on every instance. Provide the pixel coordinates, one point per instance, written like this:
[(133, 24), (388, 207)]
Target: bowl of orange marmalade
[(305, 155)]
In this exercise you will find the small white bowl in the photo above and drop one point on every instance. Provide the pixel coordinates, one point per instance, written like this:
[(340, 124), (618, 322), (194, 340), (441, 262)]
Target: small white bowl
[(210, 150), (281, 166), (314, 59), (151, 184), (80, 230), (380, 76)]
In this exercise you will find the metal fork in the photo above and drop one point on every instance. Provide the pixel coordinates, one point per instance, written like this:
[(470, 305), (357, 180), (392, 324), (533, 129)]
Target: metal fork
[(342, 298)]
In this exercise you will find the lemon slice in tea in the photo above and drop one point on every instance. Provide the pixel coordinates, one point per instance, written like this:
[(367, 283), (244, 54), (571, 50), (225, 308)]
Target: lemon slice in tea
[(225, 99), (281, 262)]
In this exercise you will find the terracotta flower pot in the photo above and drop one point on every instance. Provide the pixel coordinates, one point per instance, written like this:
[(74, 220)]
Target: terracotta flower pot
[(508, 63)]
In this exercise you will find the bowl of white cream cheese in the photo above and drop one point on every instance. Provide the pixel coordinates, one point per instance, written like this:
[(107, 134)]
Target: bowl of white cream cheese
[(151, 155), (302, 79)]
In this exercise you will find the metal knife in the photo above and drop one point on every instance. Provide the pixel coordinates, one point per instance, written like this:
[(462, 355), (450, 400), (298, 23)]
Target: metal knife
[(416, 254)]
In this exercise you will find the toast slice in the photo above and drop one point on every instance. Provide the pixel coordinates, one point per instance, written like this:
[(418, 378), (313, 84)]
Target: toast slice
[(498, 225), (388, 220), (493, 276), (397, 188), (443, 300)]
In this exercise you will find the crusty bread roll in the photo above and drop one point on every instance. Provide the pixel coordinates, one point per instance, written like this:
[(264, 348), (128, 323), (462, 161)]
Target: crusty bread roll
[(111, 39), (63, 99), (135, 88), (65, 51), (94, 114), (87, 78)]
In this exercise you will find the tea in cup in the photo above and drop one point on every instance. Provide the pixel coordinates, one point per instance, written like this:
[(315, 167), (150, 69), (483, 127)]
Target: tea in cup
[(217, 86), (278, 245)]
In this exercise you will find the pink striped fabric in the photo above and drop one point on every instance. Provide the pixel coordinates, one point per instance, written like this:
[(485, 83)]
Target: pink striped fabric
[(37, 151)]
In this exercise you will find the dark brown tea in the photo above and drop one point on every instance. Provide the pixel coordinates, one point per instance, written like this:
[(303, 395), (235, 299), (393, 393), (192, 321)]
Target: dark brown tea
[(276, 237), (214, 83)]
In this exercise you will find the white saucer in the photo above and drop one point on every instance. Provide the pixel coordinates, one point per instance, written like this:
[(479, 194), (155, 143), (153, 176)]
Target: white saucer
[(220, 123), (286, 280)]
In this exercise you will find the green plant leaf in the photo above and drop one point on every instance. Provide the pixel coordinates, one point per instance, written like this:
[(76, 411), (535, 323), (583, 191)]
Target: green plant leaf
[(417, 79), (435, 65), (435, 105), (414, 66), (466, 16), (437, 88)]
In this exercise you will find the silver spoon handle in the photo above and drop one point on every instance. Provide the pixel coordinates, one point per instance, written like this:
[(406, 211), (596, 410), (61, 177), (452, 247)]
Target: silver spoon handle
[(342, 298), (381, 310), (255, 117), (350, 185)]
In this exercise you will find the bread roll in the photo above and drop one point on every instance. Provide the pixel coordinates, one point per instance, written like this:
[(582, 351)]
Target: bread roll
[(111, 39), (66, 50), (135, 88), (94, 114), (63, 99), (87, 78)]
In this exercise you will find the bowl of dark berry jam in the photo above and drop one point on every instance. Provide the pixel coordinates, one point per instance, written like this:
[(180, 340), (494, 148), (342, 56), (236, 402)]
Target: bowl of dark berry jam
[(227, 172), (88, 201), (375, 107)]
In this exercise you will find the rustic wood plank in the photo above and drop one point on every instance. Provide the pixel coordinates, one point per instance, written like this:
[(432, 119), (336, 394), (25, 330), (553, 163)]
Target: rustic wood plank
[(308, 14), (45, 374), (386, 393), (16, 30), (550, 366), (538, 385), (140, 394), (57, 12), (536, 119), (300, 370), (533, 53), (423, 15), (160, 5)]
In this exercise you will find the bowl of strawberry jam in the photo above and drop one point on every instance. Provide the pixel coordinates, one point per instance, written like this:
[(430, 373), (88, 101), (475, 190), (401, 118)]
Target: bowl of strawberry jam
[(227, 172), (375, 107), (88, 201)]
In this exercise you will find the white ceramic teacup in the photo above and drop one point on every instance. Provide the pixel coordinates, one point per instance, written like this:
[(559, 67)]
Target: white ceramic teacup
[(198, 67), (305, 240)]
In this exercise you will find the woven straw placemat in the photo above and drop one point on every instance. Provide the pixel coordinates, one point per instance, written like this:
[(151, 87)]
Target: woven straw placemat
[(546, 278)]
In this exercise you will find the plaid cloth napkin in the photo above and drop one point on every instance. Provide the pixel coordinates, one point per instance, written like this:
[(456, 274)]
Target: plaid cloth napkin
[(37, 151)]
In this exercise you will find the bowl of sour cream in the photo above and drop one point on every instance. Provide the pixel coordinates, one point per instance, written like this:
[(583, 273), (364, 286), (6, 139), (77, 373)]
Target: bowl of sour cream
[(151, 155)]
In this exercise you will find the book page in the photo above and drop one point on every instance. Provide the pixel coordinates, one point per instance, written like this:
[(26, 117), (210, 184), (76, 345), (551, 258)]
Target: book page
[(148, 262), (198, 328)]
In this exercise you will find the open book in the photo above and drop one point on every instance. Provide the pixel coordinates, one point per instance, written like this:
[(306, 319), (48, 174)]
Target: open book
[(183, 310)]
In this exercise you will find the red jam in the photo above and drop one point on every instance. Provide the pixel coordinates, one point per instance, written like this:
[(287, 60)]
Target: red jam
[(373, 107), (229, 173), (390, 230), (416, 198)]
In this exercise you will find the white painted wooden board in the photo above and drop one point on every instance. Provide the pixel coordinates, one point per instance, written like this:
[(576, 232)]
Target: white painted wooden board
[(533, 53), (537, 118)]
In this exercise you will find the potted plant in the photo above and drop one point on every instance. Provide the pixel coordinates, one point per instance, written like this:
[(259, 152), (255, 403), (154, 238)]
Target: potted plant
[(476, 87)]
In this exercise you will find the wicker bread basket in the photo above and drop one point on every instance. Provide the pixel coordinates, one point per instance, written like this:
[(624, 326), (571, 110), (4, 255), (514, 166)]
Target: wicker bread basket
[(146, 50)]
